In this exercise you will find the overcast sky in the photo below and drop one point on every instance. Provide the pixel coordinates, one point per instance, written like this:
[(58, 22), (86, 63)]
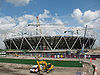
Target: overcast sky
[(18, 13)]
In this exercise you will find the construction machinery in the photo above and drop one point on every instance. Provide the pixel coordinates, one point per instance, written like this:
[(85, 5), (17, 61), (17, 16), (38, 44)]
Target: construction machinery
[(35, 69), (16, 55), (47, 66)]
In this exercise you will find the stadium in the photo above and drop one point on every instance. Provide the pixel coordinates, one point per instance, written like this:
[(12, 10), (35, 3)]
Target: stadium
[(50, 37), (49, 42)]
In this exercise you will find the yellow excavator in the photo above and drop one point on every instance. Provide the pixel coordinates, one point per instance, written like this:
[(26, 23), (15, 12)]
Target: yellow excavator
[(47, 67), (16, 55)]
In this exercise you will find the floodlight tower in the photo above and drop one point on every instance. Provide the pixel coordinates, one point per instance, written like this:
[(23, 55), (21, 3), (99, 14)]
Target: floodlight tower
[(38, 24), (84, 38)]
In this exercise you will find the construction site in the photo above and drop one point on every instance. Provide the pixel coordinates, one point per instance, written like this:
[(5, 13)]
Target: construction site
[(50, 50), (23, 66)]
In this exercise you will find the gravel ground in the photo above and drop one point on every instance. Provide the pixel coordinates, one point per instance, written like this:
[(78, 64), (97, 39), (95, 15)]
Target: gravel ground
[(20, 69)]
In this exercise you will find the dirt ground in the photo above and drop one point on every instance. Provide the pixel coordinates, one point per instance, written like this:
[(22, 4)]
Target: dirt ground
[(21, 69)]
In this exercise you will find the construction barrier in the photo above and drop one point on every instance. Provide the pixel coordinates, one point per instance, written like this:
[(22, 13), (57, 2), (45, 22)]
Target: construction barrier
[(2, 54), (94, 67)]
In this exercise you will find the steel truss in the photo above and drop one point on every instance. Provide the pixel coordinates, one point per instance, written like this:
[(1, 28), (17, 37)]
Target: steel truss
[(42, 36)]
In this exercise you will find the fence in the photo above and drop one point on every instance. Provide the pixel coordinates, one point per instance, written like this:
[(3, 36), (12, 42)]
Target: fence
[(2, 54)]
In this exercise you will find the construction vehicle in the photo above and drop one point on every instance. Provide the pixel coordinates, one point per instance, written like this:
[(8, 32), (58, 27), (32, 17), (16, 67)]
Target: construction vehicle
[(16, 55), (47, 67), (35, 69)]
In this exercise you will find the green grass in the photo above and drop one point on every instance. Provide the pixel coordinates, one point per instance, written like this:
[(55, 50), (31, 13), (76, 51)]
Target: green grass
[(33, 62)]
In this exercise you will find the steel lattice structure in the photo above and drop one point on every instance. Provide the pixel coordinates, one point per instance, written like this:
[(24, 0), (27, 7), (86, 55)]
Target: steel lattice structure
[(47, 41)]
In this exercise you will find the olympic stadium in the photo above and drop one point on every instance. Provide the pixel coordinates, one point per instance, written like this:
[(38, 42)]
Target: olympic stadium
[(51, 38)]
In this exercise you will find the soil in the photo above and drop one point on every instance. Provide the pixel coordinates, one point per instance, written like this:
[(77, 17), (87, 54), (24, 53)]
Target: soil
[(21, 69)]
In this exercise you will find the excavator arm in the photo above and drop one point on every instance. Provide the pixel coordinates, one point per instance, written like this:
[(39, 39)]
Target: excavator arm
[(42, 62)]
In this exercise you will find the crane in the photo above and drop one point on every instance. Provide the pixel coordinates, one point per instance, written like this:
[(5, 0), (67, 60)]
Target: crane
[(37, 25)]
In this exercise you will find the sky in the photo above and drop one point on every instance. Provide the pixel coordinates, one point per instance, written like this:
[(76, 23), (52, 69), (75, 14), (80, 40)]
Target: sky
[(16, 14)]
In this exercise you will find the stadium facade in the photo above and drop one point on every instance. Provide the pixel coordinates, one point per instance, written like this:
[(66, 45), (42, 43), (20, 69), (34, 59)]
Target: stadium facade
[(51, 38), (49, 42)]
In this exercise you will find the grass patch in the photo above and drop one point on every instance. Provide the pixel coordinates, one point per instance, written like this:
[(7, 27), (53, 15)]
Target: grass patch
[(57, 63)]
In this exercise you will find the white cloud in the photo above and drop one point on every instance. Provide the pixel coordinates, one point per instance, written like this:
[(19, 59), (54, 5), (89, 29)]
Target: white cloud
[(19, 2), (58, 21), (90, 18), (46, 14), (7, 22), (77, 14), (25, 19)]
